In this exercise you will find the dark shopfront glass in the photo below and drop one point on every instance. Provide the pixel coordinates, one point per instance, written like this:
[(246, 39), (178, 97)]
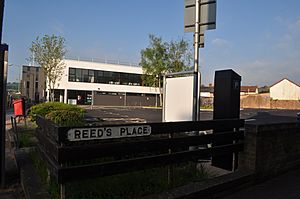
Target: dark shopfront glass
[(81, 97), (104, 77)]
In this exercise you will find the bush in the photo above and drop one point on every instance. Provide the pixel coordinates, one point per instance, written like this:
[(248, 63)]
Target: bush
[(66, 117), (45, 108)]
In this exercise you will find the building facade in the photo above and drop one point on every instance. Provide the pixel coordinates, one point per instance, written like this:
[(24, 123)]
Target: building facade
[(249, 90), (285, 89), (95, 83), (33, 83)]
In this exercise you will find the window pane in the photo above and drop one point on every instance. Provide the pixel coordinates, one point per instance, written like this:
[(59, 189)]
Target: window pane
[(108, 77), (71, 71), (78, 75), (100, 78), (91, 76), (85, 75), (124, 78), (116, 77), (72, 78)]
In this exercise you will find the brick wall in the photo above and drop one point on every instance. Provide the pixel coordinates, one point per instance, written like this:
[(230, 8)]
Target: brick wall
[(271, 149)]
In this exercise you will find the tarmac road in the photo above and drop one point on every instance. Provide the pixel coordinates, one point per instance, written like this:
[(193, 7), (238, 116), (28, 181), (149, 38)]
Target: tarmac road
[(155, 115)]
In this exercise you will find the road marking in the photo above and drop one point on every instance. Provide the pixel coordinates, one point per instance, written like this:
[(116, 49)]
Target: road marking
[(249, 120)]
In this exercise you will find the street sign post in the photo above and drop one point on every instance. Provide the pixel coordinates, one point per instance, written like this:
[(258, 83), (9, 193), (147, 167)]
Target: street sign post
[(199, 16)]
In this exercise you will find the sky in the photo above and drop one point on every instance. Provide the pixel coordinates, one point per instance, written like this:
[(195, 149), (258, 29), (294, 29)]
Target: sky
[(258, 39)]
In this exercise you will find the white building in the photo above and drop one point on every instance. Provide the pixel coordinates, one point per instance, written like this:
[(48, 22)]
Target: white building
[(285, 89), (32, 84), (104, 84), (249, 90)]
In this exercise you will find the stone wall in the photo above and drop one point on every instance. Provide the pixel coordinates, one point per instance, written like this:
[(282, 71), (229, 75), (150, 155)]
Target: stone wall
[(270, 149), (285, 104), (255, 101), (265, 102)]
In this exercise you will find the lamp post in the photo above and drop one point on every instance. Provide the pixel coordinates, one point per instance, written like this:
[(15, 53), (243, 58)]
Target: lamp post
[(18, 79), (33, 84)]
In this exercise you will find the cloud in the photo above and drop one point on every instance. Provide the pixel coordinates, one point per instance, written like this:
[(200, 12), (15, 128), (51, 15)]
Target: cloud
[(267, 71), (294, 27), (221, 43), (289, 41)]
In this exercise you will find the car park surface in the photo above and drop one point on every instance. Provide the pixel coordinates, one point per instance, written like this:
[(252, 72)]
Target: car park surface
[(149, 115)]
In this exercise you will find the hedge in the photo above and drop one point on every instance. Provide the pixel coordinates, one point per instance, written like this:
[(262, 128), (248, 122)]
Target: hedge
[(59, 112)]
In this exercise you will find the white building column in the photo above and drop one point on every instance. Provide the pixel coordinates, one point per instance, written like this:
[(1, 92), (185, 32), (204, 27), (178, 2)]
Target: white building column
[(65, 96)]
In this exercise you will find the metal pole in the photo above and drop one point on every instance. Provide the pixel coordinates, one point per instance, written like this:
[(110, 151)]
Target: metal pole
[(164, 104), (2, 103), (3, 79), (196, 108), (2, 2), (92, 102), (125, 99), (33, 85)]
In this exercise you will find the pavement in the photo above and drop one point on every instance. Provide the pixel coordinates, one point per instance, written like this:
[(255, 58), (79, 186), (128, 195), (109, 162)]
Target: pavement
[(285, 186), (13, 189)]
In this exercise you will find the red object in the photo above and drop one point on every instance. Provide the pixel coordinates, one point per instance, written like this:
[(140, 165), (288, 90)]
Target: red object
[(19, 107)]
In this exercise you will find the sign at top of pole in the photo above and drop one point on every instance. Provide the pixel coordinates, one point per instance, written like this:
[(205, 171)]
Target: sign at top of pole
[(207, 15)]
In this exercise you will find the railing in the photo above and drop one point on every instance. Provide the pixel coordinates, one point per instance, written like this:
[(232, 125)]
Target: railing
[(168, 143), (105, 61)]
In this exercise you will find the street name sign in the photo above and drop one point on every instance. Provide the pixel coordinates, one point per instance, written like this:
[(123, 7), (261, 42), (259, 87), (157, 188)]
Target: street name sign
[(98, 133), (207, 15)]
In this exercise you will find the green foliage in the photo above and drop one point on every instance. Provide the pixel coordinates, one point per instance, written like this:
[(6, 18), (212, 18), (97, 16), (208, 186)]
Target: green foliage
[(207, 107), (44, 108), (25, 140), (41, 168), (161, 57), (49, 52), (179, 56), (154, 60), (12, 86), (136, 184), (66, 117)]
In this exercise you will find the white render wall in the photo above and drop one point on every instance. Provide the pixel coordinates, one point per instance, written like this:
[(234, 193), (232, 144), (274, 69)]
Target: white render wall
[(65, 84), (285, 90)]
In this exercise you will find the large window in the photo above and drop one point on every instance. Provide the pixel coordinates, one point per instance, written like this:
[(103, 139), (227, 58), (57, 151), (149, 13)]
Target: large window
[(104, 77)]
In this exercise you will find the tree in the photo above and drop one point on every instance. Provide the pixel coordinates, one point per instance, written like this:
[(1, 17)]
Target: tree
[(154, 62), (162, 57), (179, 56), (49, 52)]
